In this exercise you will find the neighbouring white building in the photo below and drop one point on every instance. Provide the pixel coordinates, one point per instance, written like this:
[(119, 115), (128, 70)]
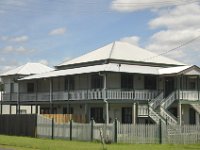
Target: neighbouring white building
[(118, 80), (10, 95)]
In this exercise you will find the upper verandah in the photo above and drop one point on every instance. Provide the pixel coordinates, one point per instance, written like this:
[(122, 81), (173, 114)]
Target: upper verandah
[(121, 52)]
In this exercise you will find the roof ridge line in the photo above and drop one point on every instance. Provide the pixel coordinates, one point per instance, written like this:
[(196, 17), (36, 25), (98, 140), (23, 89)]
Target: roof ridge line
[(111, 50)]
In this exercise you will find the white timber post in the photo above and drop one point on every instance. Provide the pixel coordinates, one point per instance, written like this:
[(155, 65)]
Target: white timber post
[(50, 95), (180, 113), (134, 113), (18, 98), (105, 98)]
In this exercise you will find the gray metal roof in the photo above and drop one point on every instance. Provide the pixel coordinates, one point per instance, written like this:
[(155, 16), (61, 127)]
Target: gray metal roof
[(121, 51)]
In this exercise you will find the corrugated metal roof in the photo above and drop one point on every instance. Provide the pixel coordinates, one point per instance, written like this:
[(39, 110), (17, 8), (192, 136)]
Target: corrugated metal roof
[(173, 70), (28, 69), (121, 51), (98, 68), (112, 67)]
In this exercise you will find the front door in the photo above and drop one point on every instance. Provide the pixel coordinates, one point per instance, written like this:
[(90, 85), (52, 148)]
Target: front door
[(169, 85), (127, 115)]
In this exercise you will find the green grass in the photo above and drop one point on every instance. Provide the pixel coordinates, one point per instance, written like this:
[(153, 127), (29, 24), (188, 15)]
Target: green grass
[(24, 143)]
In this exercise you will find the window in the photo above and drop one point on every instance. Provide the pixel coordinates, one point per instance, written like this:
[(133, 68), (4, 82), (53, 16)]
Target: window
[(150, 82), (30, 87), (96, 81), (97, 114), (69, 83), (126, 81)]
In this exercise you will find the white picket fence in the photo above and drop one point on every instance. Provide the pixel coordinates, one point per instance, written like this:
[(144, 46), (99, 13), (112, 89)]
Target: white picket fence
[(125, 133)]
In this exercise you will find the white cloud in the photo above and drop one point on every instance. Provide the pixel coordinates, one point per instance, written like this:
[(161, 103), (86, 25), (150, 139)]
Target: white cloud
[(135, 5), (18, 50), (7, 64), (8, 49), (17, 39), (58, 31), (44, 62), (178, 26), (132, 40), (179, 18)]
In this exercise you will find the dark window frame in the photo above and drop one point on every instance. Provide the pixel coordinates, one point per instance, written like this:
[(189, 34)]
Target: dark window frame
[(127, 81), (69, 83), (30, 87), (96, 81), (96, 113), (150, 82)]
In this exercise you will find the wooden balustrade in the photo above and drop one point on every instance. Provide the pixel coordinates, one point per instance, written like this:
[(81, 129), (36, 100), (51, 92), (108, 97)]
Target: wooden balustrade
[(189, 95), (99, 94)]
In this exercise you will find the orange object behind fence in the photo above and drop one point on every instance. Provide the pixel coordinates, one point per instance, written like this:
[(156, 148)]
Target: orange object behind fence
[(64, 118)]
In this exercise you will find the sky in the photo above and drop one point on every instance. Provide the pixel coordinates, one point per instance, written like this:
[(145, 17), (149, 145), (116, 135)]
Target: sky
[(53, 31)]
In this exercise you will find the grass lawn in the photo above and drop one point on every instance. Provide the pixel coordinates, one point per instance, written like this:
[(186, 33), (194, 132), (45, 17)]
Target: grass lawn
[(24, 143)]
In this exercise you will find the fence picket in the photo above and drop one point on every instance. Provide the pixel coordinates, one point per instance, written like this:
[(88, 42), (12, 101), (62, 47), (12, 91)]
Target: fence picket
[(126, 133)]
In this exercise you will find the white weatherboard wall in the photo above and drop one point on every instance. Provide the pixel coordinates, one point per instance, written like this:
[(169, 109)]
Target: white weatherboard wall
[(113, 81), (59, 84), (138, 81)]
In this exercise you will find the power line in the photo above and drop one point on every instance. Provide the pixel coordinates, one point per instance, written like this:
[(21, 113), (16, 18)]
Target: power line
[(173, 49)]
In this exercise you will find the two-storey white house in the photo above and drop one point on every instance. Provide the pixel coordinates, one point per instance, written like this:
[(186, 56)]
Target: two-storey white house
[(120, 81), (10, 95)]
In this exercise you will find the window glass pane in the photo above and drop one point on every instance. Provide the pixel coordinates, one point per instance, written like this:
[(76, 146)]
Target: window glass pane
[(150, 82), (96, 82), (30, 87), (69, 83), (126, 81)]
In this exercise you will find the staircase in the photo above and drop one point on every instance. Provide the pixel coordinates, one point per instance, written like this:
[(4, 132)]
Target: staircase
[(155, 116), (169, 100), (196, 107), (170, 118), (163, 114), (154, 103)]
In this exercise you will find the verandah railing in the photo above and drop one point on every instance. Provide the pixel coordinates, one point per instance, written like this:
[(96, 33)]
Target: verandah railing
[(113, 94)]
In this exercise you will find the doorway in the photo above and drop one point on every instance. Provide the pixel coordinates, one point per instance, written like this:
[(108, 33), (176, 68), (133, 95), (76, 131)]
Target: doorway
[(127, 115), (169, 85), (97, 114)]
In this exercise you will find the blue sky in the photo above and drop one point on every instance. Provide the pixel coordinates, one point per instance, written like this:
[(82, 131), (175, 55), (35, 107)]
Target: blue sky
[(50, 32)]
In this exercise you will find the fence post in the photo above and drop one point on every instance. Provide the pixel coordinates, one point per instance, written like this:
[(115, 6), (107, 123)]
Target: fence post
[(70, 130), (160, 131), (52, 128), (92, 128), (115, 130), (36, 125)]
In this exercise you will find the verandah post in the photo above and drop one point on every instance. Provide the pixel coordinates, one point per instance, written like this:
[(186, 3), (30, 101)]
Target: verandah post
[(92, 128), (70, 130), (115, 131)]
